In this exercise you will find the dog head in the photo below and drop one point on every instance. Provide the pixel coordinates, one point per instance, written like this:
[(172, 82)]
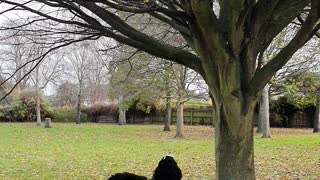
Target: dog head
[(167, 169)]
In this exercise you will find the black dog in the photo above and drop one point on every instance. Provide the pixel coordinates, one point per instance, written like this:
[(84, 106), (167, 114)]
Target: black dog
[(127, 176), (167, 170)]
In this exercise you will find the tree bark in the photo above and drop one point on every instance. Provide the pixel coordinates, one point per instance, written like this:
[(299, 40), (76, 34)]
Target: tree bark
[(78, 113), (167, 117), (316, 126), (38, 100), (259, 128), (179, 130), (259, 120), (38, 109), (234, 142), (122, 112), (264, 111)]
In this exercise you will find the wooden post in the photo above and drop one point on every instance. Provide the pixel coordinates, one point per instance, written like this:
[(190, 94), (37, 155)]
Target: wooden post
[(47, 123)]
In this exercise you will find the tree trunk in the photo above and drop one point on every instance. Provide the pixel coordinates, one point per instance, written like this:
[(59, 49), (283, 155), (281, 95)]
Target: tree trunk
[(122, 112), (234, 142), (167, 117), (78, 113), (316, 126), (179, 130), (260, 117), (19, 75), (38, 109), (264, 111)]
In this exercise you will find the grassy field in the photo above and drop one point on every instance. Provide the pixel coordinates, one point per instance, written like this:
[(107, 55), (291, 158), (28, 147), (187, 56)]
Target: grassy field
[(91, 151)]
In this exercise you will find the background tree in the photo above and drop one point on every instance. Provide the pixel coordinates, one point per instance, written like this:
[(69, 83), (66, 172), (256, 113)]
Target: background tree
[(16, 51), (264, 113), (300, 90), (138, 77), (65, 94), (304, 59), (168, 76), (225, 47), (79, 58), (18, 58), (134, 78), (184, 79), (45, 73)]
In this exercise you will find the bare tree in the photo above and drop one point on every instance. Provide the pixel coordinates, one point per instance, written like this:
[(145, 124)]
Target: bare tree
[(47, 72), (184, 79), (89, 69), (20, 50), (15, 52), (80, 59)]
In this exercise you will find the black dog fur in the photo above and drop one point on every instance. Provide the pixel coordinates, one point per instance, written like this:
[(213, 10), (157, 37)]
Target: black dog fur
[(126, 176), (167, 169)]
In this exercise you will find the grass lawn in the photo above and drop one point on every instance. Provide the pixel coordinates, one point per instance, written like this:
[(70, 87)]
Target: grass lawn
[(95, 151)]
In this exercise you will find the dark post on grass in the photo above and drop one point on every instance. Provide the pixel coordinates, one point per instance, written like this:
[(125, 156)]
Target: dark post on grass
[(47, 123)]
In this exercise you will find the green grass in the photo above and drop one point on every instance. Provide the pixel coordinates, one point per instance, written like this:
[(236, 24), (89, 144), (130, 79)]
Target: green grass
[(91, 151)]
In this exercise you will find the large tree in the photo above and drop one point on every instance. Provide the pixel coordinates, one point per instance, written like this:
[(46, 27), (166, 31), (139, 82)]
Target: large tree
[(221, 44)]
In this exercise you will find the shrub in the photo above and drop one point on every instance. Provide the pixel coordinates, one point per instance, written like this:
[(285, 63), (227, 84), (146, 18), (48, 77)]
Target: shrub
[(64, 114), (283, 109), (22, 108), (67, 114), (93, 112)]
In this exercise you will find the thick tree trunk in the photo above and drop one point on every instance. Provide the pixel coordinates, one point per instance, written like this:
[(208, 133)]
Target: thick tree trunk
[(234, 142), (167, 117), (316, 126), (78, 113), (264, 111), (122, 112), (38, 109), (179, 130)]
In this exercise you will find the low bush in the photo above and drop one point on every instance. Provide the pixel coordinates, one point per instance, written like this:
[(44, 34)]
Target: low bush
[(282, 112), (67, 114), (22, 108), (93, 112)]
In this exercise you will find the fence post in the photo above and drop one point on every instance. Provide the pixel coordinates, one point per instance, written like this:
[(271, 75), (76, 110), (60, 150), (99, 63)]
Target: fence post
[(47, 123)]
